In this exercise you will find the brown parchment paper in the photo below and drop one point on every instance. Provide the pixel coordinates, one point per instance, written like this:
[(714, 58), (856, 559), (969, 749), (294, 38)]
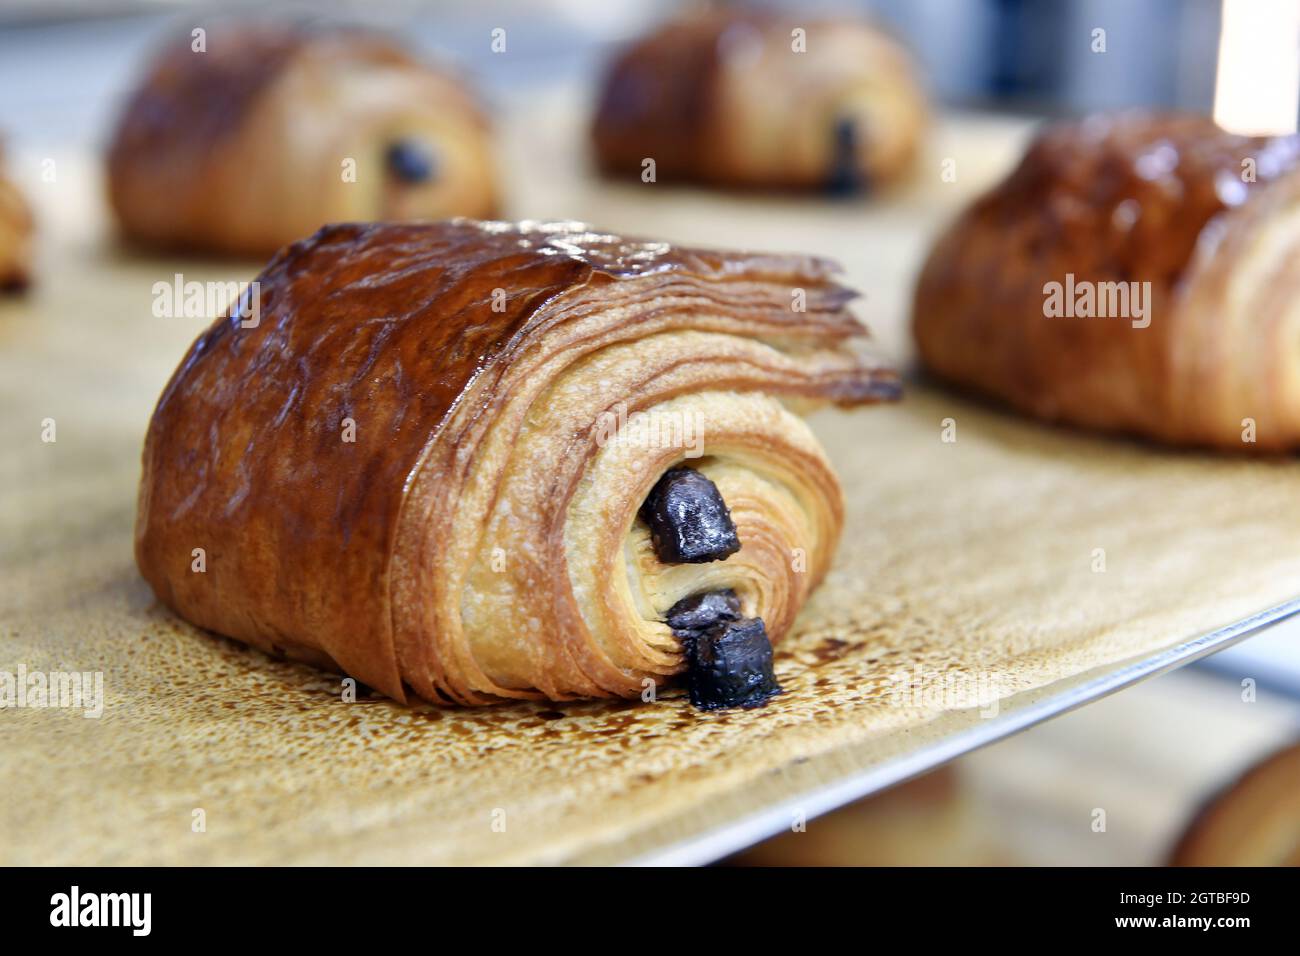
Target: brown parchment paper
[(969, 569)]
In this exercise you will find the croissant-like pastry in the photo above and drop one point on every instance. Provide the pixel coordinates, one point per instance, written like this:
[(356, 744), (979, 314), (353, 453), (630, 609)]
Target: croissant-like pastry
[(16, 227), (1254, 822), (1136, 273), (273, 130), (754, 99), (472, 460)]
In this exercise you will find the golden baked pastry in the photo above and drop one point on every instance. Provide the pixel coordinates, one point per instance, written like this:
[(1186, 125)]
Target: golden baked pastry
[(470, 461), (1255, 822), (1135, 273), (16, 227), (757, 99), (275, 130)]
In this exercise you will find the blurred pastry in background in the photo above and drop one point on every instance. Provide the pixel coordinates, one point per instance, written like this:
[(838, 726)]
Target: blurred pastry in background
[(755, 99), (1136, 273), (16, 228), (272, 130), (1254, 822), (928, 821)]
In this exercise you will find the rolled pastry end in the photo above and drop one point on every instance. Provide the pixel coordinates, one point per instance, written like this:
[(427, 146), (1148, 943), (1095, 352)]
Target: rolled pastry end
[(717, 490)]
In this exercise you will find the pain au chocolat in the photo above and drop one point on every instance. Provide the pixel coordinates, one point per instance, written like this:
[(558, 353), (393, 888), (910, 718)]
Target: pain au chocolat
[(16, 228), (474, 461), (1253, 822), (1136, 273), (757, 99), (269, 131)]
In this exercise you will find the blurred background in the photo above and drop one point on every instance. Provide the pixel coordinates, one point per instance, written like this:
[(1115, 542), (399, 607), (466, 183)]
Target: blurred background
[(1148, 757), (64, 63)]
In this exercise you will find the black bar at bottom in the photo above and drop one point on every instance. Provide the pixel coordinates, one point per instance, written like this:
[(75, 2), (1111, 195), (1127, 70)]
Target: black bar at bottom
[(346, 907)]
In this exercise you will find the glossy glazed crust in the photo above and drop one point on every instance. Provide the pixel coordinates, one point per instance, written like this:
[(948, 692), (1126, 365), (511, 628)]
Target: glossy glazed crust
[(721, 97), (1130, 198), (477, 539), (240, 148), (16, 229), (1254, 822)]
